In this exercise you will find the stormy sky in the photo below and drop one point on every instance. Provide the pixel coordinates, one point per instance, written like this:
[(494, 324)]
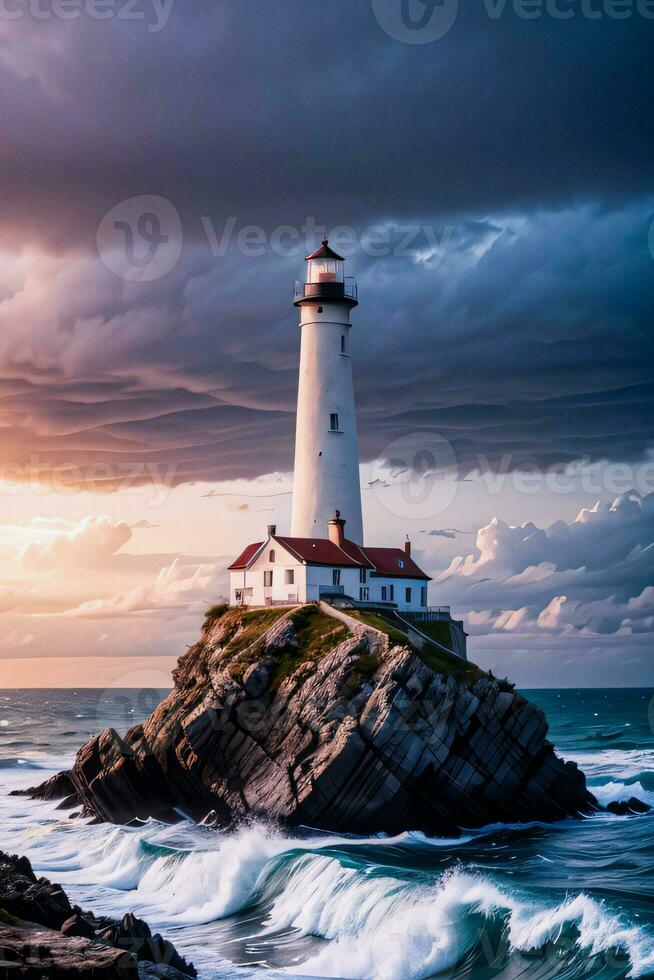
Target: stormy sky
[(491, 189)]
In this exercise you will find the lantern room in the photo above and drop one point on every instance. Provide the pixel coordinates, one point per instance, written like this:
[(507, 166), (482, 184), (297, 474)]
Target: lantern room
[(326, 279), (325, 265)]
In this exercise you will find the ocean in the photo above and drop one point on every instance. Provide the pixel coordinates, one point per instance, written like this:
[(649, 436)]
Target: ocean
[(569, 900)]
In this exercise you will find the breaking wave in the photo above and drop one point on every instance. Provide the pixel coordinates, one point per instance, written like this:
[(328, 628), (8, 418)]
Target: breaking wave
[(374, 921), (569, 901)]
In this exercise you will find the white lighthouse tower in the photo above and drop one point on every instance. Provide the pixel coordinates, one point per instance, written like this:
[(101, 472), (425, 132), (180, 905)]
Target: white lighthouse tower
[(326, 450)]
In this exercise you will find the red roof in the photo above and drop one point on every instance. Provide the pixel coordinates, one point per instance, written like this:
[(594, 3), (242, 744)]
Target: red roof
[(394, 562), (321, 551), (325, 252), (246, 556)]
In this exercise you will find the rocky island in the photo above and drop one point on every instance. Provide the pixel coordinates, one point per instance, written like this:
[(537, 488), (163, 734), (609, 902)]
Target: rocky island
[(312, 718)]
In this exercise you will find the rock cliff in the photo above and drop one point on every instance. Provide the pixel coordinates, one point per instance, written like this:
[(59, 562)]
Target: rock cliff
[(294, 717), (42, 935)]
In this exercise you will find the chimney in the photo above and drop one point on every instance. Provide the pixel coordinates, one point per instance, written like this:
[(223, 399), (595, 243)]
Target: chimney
[(336, 529), (407, 547), (272, 530)]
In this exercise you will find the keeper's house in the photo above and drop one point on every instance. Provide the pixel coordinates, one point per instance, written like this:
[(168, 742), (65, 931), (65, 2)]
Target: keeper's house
[(286, 571)]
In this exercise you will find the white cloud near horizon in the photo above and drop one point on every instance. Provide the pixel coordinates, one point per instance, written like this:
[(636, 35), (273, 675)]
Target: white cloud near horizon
[(587, 576), (58, 544), (177, 588)]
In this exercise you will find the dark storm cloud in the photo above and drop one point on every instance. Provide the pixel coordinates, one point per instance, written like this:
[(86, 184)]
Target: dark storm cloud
[(275, 110), (518, 147)]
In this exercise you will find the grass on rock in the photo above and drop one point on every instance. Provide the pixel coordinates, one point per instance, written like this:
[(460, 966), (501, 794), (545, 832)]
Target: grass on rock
[(434, 658), (316, 634), (379, 622), (438, 630), (217, 612), (254, 623)]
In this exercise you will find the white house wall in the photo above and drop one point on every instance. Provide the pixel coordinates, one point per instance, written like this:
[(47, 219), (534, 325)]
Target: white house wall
[(322, 577), (253, 578), (312, 582)]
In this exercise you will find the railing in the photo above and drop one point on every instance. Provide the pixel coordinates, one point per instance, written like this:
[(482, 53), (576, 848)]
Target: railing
[(432, 614), (331, 590), (373, 604), (327, 290)]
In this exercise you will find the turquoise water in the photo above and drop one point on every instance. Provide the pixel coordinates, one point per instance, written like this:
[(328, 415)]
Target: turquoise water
[(573, 900)]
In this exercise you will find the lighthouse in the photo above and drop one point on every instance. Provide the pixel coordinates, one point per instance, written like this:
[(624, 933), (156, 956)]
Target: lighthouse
[(324, 559), (326, 477)]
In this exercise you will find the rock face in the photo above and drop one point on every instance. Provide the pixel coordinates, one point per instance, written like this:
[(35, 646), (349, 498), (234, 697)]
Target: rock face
[(290, 716), (42, 935)]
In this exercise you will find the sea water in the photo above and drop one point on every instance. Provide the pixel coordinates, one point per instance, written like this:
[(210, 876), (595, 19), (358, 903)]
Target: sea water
[(569, 900)]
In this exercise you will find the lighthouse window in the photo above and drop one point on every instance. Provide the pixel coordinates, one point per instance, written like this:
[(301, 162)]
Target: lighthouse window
[(344, 344), (333, 422)]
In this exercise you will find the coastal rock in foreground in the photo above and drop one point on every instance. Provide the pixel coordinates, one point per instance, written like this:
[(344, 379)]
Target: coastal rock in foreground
[(42, 935), (295, 717)]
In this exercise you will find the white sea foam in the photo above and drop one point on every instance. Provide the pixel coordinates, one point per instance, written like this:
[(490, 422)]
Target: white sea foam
[(385, 930), (617, 791), (202, 886), (612, 761), (377, 923), (117, 861)]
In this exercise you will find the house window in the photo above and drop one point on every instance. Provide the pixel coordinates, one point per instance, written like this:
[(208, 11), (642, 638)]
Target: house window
[(423, 596), (333, 422), (268, 579), (289, 576), (336, 576), (238, 596), (271, 556), (364, 594), (408, 596), (391, 593), (384, 594), (363, 575)]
